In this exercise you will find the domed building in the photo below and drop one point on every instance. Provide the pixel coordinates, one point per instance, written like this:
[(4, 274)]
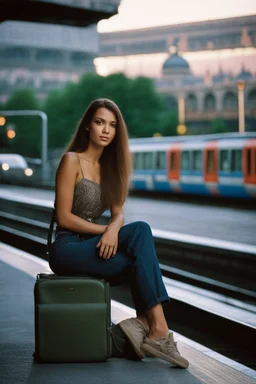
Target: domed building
[(176, 69), (175, 65), (222, 77), (212, 96), (244, 75), (206, 99)]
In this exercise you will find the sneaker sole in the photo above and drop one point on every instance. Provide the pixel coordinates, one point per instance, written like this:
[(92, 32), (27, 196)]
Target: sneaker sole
[(162, 356), (133, 341)]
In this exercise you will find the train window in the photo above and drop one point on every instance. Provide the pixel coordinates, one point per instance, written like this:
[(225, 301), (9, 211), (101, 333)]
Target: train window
[(224, 161), (173, 159), (138, 161), (196, 160), (148, 160), (210, 161), (236, 160), (185, 163), (160, 160), (249, 161)]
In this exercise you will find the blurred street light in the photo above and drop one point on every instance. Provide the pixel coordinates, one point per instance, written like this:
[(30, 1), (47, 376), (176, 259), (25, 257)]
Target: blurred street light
[(2, 121), (44, 126), (181, 128), (10, 131)]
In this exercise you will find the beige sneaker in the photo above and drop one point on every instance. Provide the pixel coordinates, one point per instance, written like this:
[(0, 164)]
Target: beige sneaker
[(166, 349), (136, 332)]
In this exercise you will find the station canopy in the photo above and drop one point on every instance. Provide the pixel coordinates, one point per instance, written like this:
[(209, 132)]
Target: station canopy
[(79, 13)]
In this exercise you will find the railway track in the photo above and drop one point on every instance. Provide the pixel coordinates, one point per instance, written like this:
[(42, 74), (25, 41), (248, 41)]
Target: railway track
[(212, 312)]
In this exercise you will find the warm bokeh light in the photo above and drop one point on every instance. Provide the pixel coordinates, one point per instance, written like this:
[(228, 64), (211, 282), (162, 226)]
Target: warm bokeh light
[(2, 120), (28, 172), (240, 84), (5, 166), (11, 134), (181, 129)]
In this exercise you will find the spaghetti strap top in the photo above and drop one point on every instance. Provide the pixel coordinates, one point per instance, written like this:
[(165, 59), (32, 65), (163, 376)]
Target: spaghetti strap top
[(87, 200)]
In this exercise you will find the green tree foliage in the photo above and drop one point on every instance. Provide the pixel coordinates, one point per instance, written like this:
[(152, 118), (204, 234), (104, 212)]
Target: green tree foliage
[(144, 110), (66, 107), (169, 124), (140, 105), (219, 125), (27, 141)]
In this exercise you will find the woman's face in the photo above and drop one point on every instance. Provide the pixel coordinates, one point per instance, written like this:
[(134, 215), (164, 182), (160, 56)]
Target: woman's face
[(103, 127)]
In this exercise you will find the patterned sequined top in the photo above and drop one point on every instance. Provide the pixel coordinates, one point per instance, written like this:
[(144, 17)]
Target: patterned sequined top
[(87, 200)]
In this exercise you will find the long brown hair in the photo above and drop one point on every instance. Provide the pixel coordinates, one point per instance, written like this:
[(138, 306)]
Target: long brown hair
[(115, 161)]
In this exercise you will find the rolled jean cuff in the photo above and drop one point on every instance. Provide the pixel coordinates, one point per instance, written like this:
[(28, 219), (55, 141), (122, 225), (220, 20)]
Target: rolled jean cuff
[(162, 299)]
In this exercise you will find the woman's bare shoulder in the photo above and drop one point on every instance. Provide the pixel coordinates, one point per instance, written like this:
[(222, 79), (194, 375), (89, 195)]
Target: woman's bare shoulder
[(68, 163), (70, 158)]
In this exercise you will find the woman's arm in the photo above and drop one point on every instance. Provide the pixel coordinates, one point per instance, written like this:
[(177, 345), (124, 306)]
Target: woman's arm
[(65, 183), (109, 241), (117, 217)]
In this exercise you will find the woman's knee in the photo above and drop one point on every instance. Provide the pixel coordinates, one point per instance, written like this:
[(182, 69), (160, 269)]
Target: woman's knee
[(143, 226)]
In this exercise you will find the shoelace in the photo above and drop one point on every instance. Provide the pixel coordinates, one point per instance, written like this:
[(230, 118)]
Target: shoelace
[(171, 346), (175, 343)]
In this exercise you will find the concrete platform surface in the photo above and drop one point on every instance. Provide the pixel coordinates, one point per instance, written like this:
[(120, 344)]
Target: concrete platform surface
[(17, 276)]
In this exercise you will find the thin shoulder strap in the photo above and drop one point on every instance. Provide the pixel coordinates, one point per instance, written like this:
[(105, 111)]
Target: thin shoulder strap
[(80, 164)]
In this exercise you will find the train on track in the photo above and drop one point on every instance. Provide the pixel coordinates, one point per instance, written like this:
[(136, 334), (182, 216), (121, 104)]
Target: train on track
[(216, 165)]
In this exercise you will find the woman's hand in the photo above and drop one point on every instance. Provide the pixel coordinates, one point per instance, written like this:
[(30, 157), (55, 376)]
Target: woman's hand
[(108, 243)]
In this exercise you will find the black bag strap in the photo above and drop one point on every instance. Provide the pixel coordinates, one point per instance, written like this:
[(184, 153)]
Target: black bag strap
[(50, 230)]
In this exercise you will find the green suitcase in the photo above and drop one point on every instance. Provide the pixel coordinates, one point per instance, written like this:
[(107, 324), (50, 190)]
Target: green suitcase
[(72, 319)]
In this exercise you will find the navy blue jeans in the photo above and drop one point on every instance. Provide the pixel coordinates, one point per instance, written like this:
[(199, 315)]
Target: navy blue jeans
[(136, 257)]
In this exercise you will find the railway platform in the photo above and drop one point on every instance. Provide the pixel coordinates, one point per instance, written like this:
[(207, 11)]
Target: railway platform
[(18, 270)]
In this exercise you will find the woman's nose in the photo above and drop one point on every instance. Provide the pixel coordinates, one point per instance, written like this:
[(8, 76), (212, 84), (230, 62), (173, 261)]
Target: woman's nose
[(106, 128)]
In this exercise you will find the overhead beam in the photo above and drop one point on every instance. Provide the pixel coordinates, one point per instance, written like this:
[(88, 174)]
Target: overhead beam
[(52, 13)]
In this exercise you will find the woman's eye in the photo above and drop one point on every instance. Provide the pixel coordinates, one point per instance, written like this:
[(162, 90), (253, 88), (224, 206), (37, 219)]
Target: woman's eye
[(98, 122), (114, 125)]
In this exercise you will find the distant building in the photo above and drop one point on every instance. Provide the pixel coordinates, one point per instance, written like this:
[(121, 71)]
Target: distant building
[(209, 91), (229, 33), (47, 56), (209, 97)]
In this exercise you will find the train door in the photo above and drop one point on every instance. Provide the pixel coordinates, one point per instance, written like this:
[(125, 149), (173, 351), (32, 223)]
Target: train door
[(160, 178), (249, 165), (211, 166), (173, 166)]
